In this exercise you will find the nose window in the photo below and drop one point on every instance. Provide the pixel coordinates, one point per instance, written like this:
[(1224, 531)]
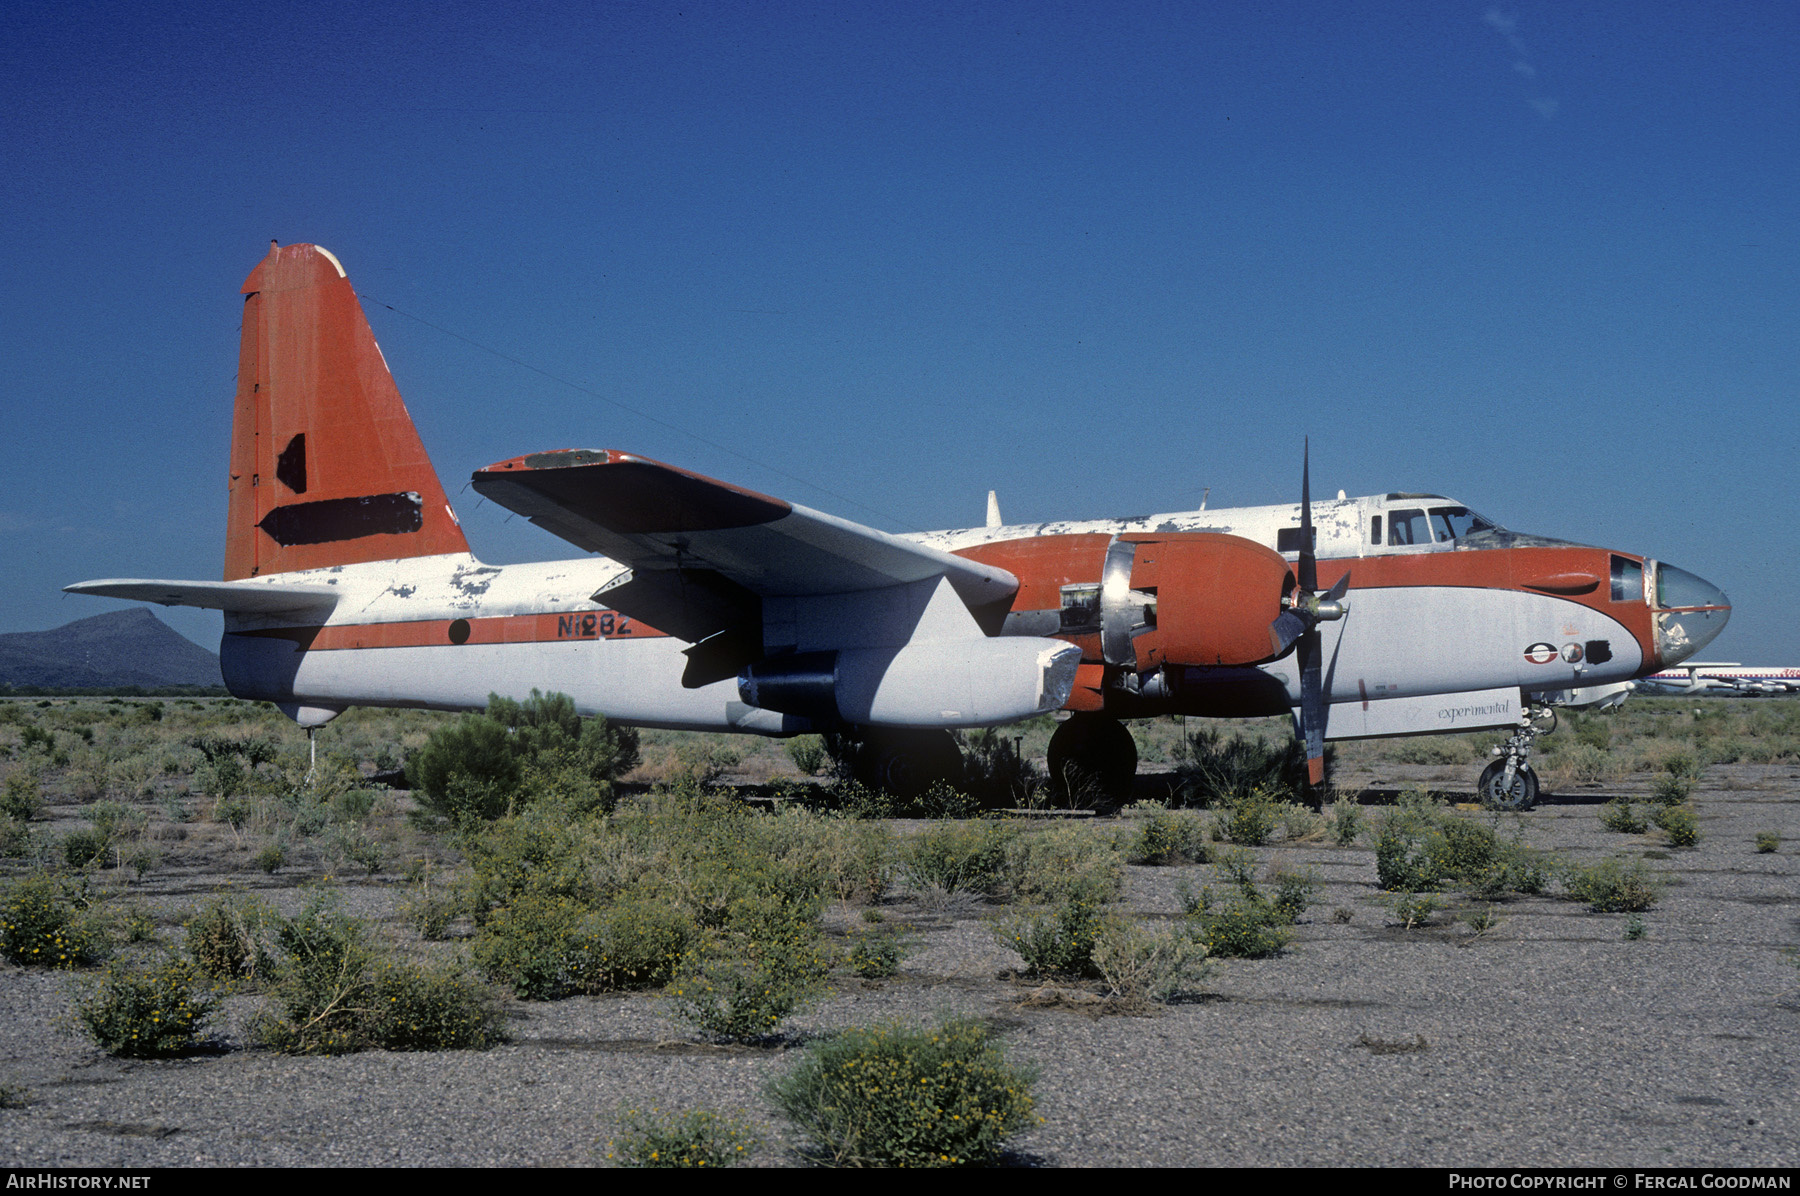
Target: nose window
[(1677, 588)]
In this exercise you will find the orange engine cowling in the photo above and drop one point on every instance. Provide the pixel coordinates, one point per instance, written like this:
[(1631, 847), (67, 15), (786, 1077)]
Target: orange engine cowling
[(1215, 598), (1141, 602)]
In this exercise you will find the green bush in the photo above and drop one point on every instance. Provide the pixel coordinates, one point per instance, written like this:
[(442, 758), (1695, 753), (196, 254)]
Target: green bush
[(1671, 789), (1242, 924), (893, 1096), (875, 956), (1175, 837), (966, 856), (1680, 823), (1144, 964), (995, 772), (1413, 909), (1058, 940), (15, 838), (764, 963), (430, 914), (1249, 816), (1420, 848), (1767, 841), (228, 939), (808, 754), (1685, 766), (1584, 762), (1617, 815), (85, 846), (1055, 863), (22, 795), (411, 1007), (695, 1138), (1613, 886), (746, 997), (334, 995), (487, 765), (1245, 921), (547, 947), (321, 988), (49, 923), (1213, 768), (150, 1013), (532, 854)]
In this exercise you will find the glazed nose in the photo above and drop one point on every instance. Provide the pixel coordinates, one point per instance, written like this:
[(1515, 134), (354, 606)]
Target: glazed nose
[(1689, 612)]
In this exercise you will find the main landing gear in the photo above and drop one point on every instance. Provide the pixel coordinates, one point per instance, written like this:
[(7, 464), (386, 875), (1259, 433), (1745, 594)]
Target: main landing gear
[(906, 763), (1509, 782), (1092, 758)]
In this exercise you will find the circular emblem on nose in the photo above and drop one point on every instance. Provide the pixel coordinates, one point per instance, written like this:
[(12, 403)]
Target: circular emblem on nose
[(1572, 653), (1541, 653)]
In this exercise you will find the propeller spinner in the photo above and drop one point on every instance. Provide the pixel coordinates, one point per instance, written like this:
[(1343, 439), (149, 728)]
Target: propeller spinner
[(1306, 609)]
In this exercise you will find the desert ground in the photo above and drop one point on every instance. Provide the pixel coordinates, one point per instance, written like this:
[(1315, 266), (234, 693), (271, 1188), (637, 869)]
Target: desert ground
[(1499, 1029)]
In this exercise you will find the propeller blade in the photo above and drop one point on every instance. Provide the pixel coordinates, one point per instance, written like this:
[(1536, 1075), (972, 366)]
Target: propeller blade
[(1312, 707), (1309, 567), (1338, 587), (1286, 628)]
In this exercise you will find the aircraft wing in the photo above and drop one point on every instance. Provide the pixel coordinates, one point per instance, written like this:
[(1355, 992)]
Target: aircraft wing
[(703, 554)]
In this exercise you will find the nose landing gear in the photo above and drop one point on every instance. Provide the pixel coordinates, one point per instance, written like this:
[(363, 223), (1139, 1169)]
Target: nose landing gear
[(1509, 782)]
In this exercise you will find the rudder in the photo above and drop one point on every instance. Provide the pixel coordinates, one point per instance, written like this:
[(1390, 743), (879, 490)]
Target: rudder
[(326, 466)]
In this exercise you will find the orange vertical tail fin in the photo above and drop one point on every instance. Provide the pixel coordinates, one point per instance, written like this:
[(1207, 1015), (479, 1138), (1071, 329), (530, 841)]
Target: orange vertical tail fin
[(326, 467)]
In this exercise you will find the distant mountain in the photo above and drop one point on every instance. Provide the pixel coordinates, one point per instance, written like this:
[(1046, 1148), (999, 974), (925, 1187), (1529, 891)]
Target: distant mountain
[(126, 647)]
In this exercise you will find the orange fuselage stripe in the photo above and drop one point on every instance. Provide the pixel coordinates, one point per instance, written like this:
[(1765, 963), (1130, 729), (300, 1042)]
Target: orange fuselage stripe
[(503, 629)]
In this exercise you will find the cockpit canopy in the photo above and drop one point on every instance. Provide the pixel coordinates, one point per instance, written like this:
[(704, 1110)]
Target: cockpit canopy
[(1411, 520)]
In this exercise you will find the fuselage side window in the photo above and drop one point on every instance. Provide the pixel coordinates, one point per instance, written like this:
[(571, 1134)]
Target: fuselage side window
[(1375, 529), (1408, 527), (1287, 539)]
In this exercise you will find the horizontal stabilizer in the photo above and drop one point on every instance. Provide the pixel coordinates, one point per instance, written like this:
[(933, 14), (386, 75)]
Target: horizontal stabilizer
[(245, 597)]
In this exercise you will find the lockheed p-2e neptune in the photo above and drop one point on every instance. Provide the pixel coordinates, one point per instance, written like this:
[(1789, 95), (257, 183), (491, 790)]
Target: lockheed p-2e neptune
[(705, 606)]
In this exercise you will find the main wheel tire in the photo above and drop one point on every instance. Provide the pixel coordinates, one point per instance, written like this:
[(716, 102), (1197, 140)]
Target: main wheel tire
[(1522, 796), (1092, 759), (907, 763)]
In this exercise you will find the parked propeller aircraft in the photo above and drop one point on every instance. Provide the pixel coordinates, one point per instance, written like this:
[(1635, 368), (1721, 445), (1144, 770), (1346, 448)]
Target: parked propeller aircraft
[(706, 606)]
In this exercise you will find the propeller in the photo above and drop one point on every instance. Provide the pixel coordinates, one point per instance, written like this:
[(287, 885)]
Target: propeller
[(1306, 609)]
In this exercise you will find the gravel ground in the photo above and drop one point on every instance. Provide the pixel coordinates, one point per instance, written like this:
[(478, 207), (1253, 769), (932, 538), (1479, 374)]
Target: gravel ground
[(1551, 1040)]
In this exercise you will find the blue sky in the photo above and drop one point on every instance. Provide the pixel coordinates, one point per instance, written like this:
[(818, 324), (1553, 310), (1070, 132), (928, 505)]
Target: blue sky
[(880, 258)]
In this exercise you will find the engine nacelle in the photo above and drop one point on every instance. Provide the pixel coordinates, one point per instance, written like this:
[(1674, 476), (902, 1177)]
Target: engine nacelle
[(940, 683), (1215, 598), (1141, 602)]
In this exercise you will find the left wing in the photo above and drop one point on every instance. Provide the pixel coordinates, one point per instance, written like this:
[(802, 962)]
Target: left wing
[(732, 571), (701, 551)]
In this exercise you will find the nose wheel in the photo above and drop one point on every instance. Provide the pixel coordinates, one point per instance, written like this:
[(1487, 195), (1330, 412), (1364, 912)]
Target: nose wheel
[(1509, 782), (1499, 792)]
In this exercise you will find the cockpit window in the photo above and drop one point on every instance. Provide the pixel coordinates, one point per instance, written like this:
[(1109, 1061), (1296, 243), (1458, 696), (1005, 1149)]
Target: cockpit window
[(1627, 580), (1408, 527), (1453, 523)]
